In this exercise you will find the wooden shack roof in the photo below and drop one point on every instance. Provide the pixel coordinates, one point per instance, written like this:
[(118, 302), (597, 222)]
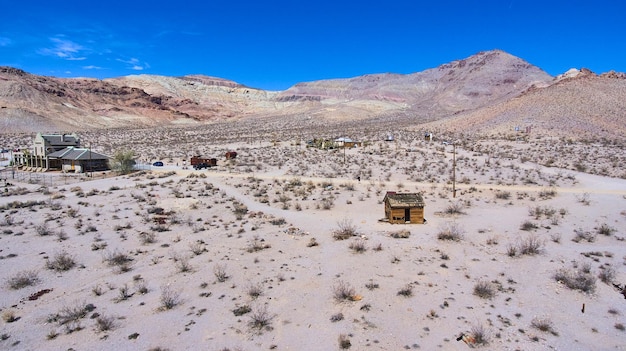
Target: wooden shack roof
[(404, 200)]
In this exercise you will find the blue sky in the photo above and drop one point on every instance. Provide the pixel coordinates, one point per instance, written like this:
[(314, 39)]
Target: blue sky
[(273, 44)]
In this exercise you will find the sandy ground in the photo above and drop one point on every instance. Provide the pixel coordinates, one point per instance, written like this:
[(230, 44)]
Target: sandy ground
[(167, 233)]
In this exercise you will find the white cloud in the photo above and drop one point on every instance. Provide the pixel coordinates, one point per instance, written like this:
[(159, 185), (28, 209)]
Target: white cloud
[(65, 49), (4, 41), (92, 67), (135, 64)]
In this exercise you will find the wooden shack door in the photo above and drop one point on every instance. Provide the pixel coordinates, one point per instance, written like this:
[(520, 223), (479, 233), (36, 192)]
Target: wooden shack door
[(407, 214)]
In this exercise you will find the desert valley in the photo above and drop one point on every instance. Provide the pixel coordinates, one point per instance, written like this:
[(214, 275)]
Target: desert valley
[(288, 246)]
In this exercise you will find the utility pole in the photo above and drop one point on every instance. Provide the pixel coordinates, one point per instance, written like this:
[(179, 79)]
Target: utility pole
[(453, 170)]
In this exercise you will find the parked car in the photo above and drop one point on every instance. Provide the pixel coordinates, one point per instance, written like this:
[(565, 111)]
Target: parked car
[(158, 164)]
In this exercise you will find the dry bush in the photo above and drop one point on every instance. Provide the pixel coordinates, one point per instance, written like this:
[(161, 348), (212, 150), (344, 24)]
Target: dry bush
[(241, 310), (531, 245), (343, 291), (344, 342), (9, 316), (358, 246), (543, 324), (257, 244), (607, 274), (260, 318), (406, 291), (484, 290), (105, 323), (23, 279), (70, 316), (345, 230), (581, 234), (219, 270), (528, 226), (605, 229), (479, 335), (254, 290), (503, 195), (450, 231), (454, 208), (120, 261), (577, 279), (169, 298), (61, 262)]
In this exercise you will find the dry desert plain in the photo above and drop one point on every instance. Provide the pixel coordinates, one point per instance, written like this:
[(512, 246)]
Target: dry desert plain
[(248, 256)]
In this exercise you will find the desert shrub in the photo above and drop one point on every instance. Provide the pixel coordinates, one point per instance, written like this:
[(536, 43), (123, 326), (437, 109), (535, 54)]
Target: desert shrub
[(454, 208), (607, 274), (531, 245), (260, 318), (450, 231), (257, 244), (400, 234), (484, 290), (345, 230), (169, 298), (546, 194), (105, 323), (344, 342), (254, 290), (182, 265), (119, 260), (147, 237), (9, 316), (528, 226), (358, 246), (605, 229), (406, 291), (241, 310), (577, 279), (581, 234), (336, 317), (479, 335), (503, 195), (543, 324), (61, 262), (198, 247), (343, 291), (43, 229), (23, 279), (219, 270), (70, 316), (327, 203)]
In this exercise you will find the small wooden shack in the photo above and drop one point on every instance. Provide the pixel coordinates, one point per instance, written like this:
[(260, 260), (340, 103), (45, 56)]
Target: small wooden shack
[(402, 208)]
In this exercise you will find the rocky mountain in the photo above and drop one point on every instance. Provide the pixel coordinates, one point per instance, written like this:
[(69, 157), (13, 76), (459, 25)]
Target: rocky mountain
[(578, 104), (485, 93)]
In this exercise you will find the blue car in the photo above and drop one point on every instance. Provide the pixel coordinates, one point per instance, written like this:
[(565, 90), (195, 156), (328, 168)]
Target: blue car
[(158, 164)]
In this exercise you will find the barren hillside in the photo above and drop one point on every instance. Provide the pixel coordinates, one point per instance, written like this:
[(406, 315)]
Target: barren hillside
[(488, 93), (584, 106)]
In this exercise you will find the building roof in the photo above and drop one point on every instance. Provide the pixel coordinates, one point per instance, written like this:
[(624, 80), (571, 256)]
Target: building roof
[(61, 139), (404, 200), (74, 153)]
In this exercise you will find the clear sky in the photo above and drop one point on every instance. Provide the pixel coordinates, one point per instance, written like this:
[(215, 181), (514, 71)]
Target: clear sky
[(273, 44)]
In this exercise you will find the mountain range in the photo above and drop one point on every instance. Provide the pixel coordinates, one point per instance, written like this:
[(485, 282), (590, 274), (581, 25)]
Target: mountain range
[(488, 93)]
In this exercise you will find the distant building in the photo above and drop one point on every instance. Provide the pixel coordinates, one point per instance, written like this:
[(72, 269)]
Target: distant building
[(402, 208), (60, 152), (78, 160), (346, 142)]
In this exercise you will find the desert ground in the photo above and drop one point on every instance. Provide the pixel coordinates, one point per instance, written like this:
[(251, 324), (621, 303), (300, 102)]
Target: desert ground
[(282, 247)]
